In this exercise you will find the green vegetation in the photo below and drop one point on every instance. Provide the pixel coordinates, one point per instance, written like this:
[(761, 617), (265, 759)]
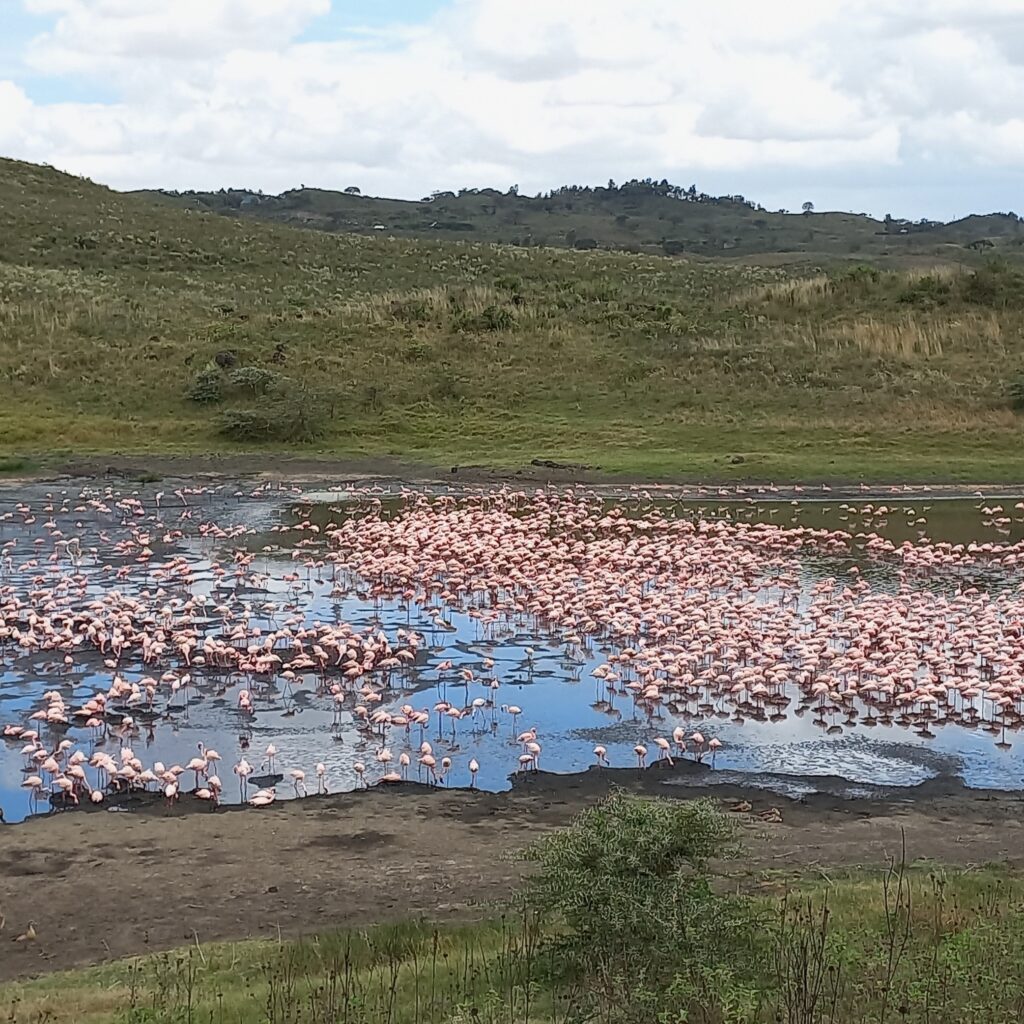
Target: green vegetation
[(620, 923), (128, 324), (10, 464), (647, 216)]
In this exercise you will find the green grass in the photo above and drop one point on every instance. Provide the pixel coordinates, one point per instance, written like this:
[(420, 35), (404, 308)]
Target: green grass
[(469, 353), (12, 464), (962, 962)]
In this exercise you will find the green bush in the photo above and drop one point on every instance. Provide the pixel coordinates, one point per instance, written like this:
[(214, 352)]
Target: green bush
[(996, 285), (497, 318), (207, 387), (254, 379), (294, 414), (926, 291), (492, 318), (626, 888)]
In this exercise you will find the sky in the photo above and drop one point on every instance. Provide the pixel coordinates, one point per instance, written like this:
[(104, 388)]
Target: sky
[(909, 107)]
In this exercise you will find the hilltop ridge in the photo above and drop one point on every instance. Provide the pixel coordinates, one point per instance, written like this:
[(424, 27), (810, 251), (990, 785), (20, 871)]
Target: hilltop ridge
[(641, 216)]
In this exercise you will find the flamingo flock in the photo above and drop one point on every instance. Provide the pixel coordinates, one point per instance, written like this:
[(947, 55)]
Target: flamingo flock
[(691, 621)]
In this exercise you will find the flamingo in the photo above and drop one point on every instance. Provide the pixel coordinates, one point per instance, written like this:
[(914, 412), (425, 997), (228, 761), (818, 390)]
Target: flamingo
[(714, 745)]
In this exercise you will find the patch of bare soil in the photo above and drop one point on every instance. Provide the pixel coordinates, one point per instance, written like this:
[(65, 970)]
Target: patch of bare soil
[(108, 884)]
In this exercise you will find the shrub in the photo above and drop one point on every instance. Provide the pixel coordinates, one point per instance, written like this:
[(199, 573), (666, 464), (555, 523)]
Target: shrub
[(254, 379), (497, 318), (293, 415), (509, 282), (206, 387), (996, 285), (926, 291), (627, 883), (492, 318)]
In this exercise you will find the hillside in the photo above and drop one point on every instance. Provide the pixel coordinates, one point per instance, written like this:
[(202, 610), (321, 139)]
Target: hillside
[(127, 324), (639, 216)]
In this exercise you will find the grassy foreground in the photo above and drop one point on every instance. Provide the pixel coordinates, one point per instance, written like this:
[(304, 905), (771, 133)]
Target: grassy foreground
[(128, 325), (619, 923)]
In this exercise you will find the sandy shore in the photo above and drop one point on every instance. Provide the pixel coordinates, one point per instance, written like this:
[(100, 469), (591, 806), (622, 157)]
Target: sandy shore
[(107, 884)]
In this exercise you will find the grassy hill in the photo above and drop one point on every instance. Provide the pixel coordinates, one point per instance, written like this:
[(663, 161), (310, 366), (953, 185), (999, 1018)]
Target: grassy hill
[(129, 324), (640, 217)]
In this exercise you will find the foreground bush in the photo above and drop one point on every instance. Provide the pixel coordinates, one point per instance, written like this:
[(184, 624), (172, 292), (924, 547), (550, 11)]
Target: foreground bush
[(619, 925), (626, 895)]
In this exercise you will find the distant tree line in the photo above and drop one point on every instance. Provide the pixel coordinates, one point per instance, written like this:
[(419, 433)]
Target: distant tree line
[(634, 188)]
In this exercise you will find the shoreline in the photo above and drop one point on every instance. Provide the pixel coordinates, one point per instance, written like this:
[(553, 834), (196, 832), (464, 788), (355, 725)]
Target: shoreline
[(685, 779), (153, 880), (143, 469)]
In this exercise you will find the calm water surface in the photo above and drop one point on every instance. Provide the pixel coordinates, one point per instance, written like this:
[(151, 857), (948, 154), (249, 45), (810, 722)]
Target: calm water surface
[(553, 684)]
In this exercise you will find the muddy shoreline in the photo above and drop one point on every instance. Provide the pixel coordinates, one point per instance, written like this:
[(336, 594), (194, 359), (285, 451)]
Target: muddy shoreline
[(106, 884), (354, 471)]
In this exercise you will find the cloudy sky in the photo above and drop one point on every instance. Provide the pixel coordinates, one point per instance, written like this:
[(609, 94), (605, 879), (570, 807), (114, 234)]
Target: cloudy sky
[(914, 107)]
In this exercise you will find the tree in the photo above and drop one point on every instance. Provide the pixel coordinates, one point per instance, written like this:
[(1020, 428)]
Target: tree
[(352, 190), (808, 207), (513, 190)]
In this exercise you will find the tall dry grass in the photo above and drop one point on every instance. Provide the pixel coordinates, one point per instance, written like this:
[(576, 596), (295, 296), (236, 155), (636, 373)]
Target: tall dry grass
[(910, 336)]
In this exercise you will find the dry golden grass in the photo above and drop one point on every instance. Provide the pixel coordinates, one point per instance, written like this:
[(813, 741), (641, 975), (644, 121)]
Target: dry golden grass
[(909, 336), (821, 289)]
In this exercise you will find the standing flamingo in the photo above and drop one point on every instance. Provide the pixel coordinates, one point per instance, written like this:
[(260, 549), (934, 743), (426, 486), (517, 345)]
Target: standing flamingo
[(664, 748), (714, 746)]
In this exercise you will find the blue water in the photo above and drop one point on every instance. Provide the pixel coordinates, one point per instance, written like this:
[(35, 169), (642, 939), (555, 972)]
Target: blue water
[(553, 685)]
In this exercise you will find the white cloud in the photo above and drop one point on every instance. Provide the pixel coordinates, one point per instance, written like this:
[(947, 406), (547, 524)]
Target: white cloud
[(106, 34), (850, 98)]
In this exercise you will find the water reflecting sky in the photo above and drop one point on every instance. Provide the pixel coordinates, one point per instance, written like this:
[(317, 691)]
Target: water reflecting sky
[(553, 684)]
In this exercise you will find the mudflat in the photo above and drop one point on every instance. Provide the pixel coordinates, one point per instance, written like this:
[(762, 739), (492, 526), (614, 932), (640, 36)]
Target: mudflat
[(104, 884)]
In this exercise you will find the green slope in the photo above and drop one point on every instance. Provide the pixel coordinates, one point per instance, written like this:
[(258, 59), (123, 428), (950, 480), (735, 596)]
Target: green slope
[(112, 305)]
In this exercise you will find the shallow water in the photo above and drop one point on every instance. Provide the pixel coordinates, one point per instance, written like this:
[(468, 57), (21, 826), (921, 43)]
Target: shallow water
[(548, 678)]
